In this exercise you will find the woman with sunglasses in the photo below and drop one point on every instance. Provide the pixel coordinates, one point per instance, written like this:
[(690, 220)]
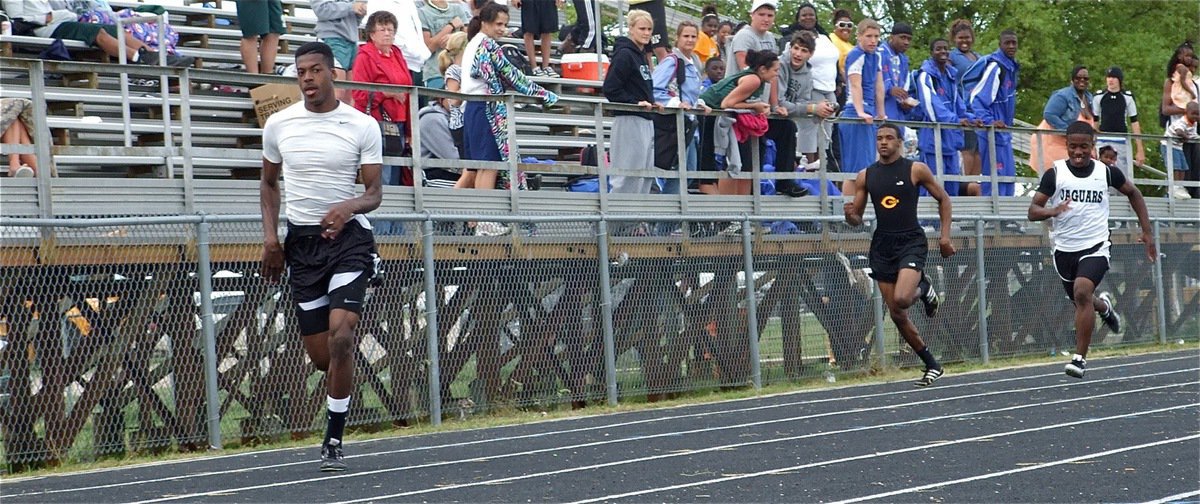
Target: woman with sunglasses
[(843, 37), (1064, 107)]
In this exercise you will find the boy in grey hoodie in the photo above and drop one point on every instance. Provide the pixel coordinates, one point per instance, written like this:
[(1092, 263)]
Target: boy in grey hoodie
[(805, 109)]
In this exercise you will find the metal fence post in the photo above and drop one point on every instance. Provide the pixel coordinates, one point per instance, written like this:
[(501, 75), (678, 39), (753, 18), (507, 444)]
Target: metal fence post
[(514, 157), (751, 305), (995, 194), (121, 58), (823, 149), (165, 89), (418, 172), (1169, 161), (756, 173), (42, 141), (1158, 286), (208, 325), (877, 305), (681, 148), (939, 167), (185, 122), (606, 312), (601, 158), (982, 284), (431, 325)]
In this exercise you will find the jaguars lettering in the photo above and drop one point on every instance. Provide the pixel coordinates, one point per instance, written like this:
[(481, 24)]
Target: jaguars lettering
[(1083, 195)]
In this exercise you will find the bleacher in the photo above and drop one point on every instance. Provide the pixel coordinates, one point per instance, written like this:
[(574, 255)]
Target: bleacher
[(85, 109)]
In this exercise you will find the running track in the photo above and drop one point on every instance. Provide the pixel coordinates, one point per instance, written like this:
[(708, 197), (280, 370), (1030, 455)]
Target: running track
[(1129, 432)]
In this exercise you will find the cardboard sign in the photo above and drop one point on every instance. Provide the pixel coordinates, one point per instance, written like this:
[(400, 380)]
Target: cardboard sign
[(271, 98)]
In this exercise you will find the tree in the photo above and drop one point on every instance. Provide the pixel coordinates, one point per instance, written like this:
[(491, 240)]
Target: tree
[(1054, 35)]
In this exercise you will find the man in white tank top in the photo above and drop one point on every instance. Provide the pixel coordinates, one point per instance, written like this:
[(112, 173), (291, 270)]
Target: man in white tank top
[(1077, 192)]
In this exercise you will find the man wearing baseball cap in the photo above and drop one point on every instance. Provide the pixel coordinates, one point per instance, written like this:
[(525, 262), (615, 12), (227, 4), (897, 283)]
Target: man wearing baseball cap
[(1112, 106), (757, 36)]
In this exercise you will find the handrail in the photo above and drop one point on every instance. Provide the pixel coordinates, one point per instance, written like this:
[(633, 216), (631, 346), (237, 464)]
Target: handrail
[(259, 79), (600, 107)]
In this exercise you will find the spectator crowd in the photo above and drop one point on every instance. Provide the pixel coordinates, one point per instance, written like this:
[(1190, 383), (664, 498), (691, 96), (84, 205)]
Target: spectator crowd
[(778, 77)]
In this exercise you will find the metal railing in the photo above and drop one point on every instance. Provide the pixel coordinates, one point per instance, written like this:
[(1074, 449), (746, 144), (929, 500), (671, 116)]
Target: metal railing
[(186, 151)]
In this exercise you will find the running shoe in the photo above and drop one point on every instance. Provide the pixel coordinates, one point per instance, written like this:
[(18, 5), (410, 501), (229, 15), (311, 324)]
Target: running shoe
[(930, 376), (551, 73), (931, 299), (1110, 317), (1077, 367), (538, 72), (331, 456)]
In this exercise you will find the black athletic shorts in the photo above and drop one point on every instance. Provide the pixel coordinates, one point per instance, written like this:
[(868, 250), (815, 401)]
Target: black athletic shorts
[(327, 274), (892, 251), (658, 11), (538, 17), (1090, 263)]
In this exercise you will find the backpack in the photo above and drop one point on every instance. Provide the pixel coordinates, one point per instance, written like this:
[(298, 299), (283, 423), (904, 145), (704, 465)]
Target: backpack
[(666, 153), (516, 56), (586, 183)]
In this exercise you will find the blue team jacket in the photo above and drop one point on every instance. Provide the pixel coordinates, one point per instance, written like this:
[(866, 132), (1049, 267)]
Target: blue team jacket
[(941, 101), (994, 97)]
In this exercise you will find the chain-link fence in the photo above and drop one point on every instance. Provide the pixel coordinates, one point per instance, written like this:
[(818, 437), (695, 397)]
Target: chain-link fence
[(148, 334)]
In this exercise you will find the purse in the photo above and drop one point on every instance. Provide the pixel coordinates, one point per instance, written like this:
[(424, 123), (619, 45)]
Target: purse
[(393, 137)]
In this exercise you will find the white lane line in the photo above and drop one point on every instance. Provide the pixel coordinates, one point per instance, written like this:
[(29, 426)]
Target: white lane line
[(1019, 469), (870, 455), (616, 425), (941, 386), (1175, 498), (605, 442)]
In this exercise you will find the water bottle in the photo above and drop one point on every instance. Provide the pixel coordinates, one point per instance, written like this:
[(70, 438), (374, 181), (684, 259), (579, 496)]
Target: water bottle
[(5, 28)]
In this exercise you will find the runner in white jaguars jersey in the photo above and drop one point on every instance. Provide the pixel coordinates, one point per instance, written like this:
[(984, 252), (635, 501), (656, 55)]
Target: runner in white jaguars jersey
[(1076, 189)]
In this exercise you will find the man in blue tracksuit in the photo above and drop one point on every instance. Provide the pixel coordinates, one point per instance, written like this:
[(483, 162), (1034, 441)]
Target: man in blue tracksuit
[(893, 64), (993, 100), (941, 101)]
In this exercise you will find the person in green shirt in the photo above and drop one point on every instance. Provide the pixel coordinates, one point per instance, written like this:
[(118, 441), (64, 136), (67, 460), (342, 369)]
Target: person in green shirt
[(740, 91)]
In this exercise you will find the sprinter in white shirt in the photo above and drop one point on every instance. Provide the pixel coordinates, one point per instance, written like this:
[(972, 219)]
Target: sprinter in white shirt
[(321, 145), (1076, 189)]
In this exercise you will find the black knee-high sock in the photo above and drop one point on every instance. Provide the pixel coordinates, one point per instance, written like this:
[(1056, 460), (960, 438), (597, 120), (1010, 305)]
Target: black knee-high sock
[(927, 358), (336, 425)]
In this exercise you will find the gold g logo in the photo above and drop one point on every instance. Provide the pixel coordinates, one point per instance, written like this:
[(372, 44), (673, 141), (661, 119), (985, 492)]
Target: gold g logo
[(889, 202)]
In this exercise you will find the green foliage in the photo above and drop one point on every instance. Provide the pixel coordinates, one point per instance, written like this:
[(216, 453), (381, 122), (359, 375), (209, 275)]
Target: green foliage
[(1055, 35)]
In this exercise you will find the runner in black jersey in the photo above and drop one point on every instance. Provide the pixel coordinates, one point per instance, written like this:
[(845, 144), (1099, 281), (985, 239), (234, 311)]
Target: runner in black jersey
[(899, 246)]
